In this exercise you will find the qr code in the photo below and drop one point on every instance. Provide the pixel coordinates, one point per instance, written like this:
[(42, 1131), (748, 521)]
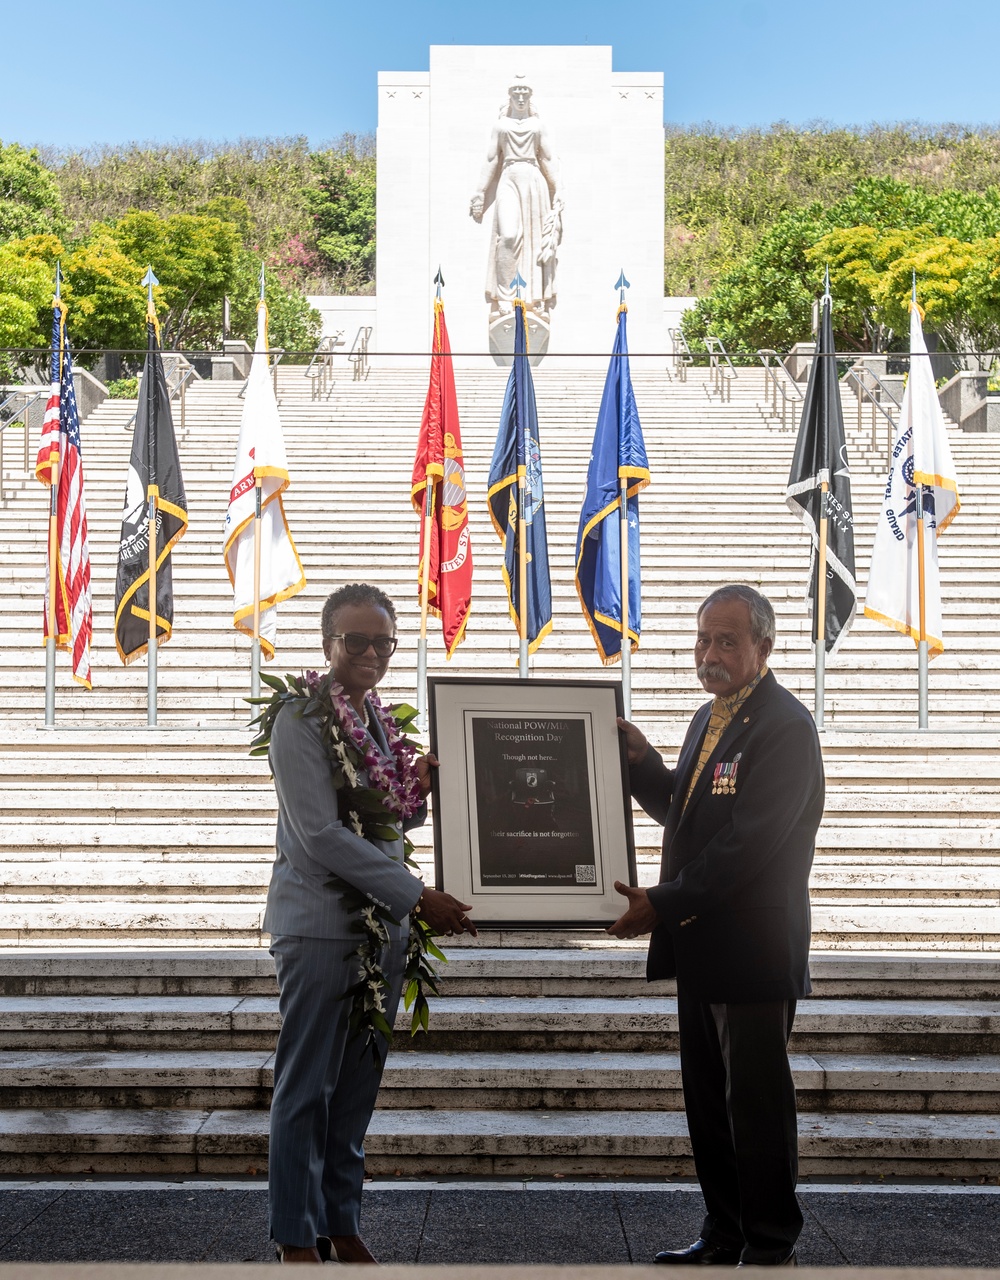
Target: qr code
[(586, 873)]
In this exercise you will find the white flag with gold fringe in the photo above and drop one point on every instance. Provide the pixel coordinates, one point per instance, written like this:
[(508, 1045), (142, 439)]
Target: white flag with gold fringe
[(921, 455), (260, 457)]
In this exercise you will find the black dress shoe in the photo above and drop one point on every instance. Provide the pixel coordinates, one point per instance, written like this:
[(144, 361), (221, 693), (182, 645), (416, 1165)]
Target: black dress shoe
[(790, 1261), (700, 1254)]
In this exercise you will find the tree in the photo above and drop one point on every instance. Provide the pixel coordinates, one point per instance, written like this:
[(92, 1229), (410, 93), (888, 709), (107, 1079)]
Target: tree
[(293, 325), (872, 240), (26, 289), (194, 258), (342, 202), (104, 290), (30, 203)]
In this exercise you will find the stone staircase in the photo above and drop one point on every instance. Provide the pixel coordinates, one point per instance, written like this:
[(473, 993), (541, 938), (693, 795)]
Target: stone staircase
[(137, 1010)]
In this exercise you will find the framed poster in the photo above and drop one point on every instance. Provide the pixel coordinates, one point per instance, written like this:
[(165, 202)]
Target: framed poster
[(532, 814)]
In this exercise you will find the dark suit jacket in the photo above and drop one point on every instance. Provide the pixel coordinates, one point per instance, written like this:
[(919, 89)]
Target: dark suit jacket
[(733, 897)]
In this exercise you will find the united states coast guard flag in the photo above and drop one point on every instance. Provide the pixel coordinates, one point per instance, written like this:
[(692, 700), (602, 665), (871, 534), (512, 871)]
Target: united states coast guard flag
[(518, 455), (439, 464), (154, 464), (821, 457), (260, 454), (921, 455), (60, 462), (618, 454)]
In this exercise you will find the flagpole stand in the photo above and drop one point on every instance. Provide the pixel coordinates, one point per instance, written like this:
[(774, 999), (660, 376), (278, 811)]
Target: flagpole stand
[(626, 640), (922, 606), (50, 683)]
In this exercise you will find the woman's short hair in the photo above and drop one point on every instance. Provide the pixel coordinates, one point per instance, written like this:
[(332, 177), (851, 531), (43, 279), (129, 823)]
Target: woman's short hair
[(761, 614), (362, 593)]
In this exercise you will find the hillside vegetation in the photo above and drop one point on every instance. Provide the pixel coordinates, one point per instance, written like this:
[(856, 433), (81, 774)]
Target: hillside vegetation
[(752, 217)]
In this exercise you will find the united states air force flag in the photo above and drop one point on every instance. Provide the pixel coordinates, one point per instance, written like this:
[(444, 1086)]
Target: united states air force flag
[(921, 455), (619, 453), (518, 455)]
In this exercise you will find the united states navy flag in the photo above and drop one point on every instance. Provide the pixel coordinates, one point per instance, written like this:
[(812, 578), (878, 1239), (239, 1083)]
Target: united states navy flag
[(518, 509), (619, 453)]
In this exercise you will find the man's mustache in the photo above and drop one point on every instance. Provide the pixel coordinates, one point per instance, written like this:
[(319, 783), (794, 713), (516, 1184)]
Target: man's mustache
[(712, 671)]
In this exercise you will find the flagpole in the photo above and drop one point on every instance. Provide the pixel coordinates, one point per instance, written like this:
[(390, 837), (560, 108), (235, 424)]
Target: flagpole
[(626, 640), (523, 656), (152, 402), (821, 608), (922, 698), (425, 590), (50, 639), (258, 481)]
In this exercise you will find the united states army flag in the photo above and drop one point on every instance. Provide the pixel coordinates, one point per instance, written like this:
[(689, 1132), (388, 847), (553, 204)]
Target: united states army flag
[(260, 455)]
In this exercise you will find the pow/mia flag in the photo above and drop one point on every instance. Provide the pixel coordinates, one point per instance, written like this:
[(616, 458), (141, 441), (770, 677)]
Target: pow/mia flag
[(821, 455), (154, 469)]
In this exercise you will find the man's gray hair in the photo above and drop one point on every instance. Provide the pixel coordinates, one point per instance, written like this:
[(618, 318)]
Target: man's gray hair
[(761, 613)]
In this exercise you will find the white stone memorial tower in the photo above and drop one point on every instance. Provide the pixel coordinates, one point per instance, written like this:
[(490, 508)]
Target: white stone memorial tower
[(536, 157)]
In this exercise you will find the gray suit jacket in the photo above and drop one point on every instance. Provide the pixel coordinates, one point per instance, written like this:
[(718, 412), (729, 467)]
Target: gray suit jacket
[(312, 844)]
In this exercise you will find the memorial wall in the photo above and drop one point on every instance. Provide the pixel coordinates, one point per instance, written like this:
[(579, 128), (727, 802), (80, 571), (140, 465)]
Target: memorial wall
[(530, 162)]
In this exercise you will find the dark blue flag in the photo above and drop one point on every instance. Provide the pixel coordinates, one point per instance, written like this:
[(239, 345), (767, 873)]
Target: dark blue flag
[(619, 453), (518, 455)]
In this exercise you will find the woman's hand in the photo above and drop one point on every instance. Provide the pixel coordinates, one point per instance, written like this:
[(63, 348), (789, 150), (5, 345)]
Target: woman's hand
[(476, 205), (636, 744), (424, 765), (444, 913)]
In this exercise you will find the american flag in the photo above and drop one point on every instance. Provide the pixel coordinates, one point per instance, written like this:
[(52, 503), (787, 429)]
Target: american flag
[(59, 456)]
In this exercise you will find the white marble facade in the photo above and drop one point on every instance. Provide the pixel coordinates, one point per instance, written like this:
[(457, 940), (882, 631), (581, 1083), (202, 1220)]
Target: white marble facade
[(458, 132)]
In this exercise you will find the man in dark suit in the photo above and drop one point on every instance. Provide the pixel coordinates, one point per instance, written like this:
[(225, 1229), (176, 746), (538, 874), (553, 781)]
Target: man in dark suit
[(730, 920)]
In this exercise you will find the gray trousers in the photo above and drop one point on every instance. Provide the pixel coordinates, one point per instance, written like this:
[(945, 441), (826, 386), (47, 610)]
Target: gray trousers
[(325, 1084)]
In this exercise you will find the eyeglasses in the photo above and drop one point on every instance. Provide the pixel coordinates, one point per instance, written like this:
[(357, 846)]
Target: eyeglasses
[(356, 644)]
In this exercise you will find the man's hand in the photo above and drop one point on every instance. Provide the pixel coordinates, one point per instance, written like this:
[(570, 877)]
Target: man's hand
[(640, 916), (636, 744), (445, 914), (424, 765)]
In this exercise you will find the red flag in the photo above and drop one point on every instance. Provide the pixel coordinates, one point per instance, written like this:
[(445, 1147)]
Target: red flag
[(439, 464)]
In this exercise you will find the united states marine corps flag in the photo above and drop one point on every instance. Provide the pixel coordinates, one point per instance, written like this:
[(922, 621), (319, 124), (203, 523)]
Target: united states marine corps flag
[(154, 501), (516, 503), (438, 494), (819, 494)]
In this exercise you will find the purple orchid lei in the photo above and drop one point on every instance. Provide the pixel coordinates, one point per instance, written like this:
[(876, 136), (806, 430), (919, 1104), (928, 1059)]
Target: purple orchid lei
[(390, 794)]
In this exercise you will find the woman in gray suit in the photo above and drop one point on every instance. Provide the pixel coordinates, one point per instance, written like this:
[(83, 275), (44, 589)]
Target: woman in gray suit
[(325, 1076)]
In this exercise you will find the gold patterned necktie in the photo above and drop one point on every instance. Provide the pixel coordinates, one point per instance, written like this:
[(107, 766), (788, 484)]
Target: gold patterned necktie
[(722, 715)]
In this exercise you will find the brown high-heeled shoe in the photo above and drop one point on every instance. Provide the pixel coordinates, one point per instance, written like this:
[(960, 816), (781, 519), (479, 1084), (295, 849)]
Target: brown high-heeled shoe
[(349, 1249), (298, 1253)]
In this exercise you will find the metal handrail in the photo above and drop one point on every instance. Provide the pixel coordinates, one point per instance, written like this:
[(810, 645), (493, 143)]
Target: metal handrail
[(319, 370), (683, 356), (858, 373), (773, 385), (722, 378), (183, 371), (358, 355), (21, 416)]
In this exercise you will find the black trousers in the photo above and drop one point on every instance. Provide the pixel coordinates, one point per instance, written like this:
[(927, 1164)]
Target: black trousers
[(740, 1102)]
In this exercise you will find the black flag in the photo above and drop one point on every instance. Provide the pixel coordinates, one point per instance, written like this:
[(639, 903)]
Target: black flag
[(821, 455), (154, 462)]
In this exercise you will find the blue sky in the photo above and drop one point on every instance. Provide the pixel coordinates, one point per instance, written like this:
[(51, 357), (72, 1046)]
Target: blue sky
[(110, 72)]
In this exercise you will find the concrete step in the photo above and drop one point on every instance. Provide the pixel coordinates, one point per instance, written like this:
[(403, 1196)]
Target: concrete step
[(488, 1024), (494, 1082), (456, 1142), (588, 963)]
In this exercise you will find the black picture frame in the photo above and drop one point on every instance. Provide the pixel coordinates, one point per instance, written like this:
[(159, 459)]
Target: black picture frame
[(532, 807)]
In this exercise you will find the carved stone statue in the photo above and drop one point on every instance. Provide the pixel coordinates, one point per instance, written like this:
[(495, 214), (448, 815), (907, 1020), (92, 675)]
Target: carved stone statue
[(520, 179)]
